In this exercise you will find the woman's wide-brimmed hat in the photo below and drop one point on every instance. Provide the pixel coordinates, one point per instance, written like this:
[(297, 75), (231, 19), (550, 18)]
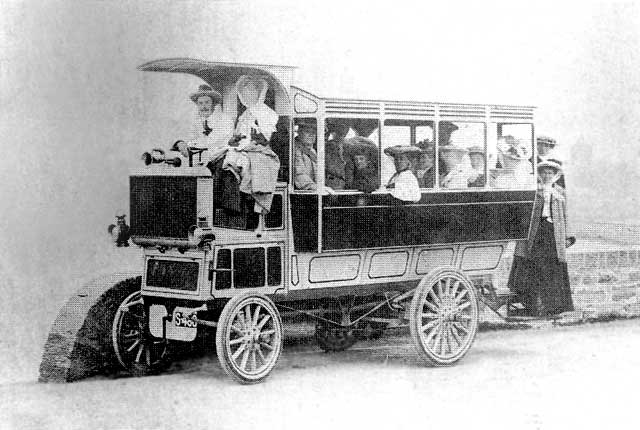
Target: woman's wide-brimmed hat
[(248, 83), (550, 163), (546, 140), (206, 90), (397, 150)]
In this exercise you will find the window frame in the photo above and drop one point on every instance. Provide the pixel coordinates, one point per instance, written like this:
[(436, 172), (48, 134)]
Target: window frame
[(377, 141), (413, 141), (485, 124), (532, 148)]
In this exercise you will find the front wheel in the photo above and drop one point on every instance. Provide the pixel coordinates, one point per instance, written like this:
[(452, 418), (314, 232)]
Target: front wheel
[(443, 317), (136, 350), (249, 338)]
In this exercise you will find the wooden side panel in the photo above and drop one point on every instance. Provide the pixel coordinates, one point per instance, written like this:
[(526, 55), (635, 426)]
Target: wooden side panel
[(379, 220)]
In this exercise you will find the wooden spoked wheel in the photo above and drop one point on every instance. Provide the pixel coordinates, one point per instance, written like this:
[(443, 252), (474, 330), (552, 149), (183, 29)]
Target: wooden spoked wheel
[(136, 350), (249, 338), (443, 317)]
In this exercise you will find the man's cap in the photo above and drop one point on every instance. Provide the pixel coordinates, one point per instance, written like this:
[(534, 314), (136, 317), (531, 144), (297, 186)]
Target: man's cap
[(546, 140), (476, 150), (206, 90)]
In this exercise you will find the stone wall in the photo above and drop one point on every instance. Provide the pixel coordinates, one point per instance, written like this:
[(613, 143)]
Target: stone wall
[(604, 282)]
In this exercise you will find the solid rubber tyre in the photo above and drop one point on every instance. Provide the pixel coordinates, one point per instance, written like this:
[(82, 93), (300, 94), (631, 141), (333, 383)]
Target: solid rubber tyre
[(444, 316), (249, 338), (135, 349)]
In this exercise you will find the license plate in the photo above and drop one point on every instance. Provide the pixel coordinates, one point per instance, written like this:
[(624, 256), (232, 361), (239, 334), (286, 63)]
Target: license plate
[(181, 319)]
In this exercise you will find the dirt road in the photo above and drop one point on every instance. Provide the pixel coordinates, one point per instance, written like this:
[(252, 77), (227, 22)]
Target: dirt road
[(572, 377)]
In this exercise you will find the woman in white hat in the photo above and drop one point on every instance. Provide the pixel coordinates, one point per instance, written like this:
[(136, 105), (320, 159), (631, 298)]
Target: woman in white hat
[(403, 185), (458, 170), (258, 122), (539, 275), (250, 155)]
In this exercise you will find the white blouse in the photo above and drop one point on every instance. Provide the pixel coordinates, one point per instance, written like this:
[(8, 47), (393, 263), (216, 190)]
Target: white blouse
[(546, 207), (406, 187)]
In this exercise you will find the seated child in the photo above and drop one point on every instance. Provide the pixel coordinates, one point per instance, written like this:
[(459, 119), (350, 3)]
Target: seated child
[(361, 167)]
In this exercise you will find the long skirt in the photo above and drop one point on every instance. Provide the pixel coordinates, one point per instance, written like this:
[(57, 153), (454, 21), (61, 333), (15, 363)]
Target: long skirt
[(541, 282)]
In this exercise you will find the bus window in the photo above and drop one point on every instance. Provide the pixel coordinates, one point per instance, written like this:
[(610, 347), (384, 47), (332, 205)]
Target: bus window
[(410, 132), (461, 154), (305, 158), (510, 151), (351, 154)]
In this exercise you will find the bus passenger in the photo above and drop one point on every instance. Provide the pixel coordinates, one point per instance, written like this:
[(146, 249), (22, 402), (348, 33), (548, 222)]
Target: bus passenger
[(424, 168), (249, 155), (305, 157), (547, 149), (258, 122), (539, 275), (335, 157), (211, 128), (403, 185), (457, 166), (361, 169), (511, 146), (445, 130), (519, 168), (476, 155)]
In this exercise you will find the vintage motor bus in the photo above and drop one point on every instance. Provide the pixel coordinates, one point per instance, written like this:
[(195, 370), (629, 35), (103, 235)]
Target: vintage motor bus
[(343, 252)]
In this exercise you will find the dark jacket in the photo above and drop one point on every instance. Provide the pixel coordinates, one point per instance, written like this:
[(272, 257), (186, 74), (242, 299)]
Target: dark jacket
[(561, 228)]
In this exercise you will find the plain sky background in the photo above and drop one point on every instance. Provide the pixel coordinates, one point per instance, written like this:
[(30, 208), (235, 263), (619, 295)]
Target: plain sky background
[(75, 114)]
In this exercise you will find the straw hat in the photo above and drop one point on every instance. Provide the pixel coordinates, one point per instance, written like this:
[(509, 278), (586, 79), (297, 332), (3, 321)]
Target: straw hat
[(552, 163), (396, 150), (206, 90)]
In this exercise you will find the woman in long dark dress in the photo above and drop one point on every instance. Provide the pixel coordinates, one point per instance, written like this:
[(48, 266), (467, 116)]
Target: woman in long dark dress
[(539, 276)]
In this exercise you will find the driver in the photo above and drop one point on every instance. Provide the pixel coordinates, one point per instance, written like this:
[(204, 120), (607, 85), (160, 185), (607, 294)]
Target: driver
[(211, 128)]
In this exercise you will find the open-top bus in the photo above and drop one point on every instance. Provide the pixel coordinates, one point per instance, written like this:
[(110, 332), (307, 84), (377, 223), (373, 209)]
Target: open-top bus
[(352, 258)]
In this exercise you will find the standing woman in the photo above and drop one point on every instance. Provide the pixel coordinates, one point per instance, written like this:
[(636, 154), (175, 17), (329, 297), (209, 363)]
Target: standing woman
[(540, 277)]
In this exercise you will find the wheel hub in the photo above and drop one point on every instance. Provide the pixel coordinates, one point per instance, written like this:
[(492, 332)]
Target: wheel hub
[(448, 308)]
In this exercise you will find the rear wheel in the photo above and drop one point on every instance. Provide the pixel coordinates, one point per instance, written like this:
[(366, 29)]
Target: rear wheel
[(136, 350), (443, 317), (249, 338)]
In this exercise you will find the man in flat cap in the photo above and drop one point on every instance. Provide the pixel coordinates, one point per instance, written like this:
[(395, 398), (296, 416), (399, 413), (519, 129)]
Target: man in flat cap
[(305, 156), (210, 128)]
